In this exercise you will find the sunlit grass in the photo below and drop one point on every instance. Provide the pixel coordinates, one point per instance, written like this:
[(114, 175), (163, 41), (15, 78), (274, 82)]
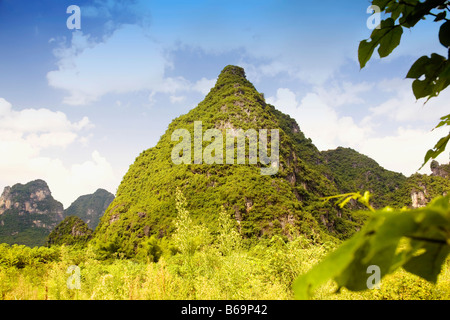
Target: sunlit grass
[(246, 274)]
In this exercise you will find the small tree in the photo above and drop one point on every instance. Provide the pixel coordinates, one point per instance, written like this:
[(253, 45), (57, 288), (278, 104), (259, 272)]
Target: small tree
[(229, 239), (188, 237)]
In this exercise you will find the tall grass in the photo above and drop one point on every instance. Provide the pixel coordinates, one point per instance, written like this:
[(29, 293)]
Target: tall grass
[(265, 271)]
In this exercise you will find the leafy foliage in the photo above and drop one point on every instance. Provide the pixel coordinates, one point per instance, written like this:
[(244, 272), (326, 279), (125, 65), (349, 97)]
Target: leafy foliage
[(228, 238), (91, 207), (441, 144), (354, 171), (431, 74), (263, 205), (188, 237), (426, 186), (71, 231), (417, 240)]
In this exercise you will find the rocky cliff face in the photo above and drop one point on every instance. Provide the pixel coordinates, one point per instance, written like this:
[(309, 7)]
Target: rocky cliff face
[(440, 170), (419, 198), (428, 187), (28, 213)]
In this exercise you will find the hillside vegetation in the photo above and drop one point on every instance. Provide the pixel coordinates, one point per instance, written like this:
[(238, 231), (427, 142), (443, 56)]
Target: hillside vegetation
[(225, 231), (286, 204), (195, 265)]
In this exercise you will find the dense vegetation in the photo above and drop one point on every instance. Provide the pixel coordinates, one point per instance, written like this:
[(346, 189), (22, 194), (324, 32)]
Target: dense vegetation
[(285, 204), (90, 207), (241, 235), (195, 263), (71, 231), (356, 172), (28, 213), (227, 232), (416, 239)]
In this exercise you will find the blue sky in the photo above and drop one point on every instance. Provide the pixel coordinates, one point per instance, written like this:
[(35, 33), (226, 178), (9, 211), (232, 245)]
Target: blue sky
[(78, 106)]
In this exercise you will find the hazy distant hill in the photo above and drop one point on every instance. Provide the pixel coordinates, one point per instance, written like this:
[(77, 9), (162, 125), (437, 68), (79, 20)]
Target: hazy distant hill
[(354, 171), (90, 207), (28, 213)]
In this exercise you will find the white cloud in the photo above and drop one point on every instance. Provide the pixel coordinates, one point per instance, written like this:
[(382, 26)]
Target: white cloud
[(401, 150), (204, 85), (285, 100), (343, 93), (405, 150), (403, 107), (319, 120), (24, 137), (126, 61), (177, 99), (38, 128)]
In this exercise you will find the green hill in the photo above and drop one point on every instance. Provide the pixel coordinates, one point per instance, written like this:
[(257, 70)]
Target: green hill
[(91, 207), (354, 172), (283, 203), (418, 190), (72, 230), (28, 213)]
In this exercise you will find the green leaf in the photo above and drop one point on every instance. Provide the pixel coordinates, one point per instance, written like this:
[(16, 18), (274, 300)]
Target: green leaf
[(445, 120), (387, 37), (437, 150), (390, 41), (422, 88), (444, 34), (382, 3), (435, 69), (428, 232), (428, 265), (440, 16), (417, 12), (418, 68), (445, 73), (365, 52)]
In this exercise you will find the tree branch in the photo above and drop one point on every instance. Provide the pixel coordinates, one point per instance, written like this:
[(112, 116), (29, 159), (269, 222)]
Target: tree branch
[(439, 241)]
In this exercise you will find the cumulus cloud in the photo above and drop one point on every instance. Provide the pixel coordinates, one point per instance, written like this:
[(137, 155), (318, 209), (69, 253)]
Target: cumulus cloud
[(38, 128), (24, 137), (319, 119), (402, 149), (204, 85), (403, 107), (125, 61)]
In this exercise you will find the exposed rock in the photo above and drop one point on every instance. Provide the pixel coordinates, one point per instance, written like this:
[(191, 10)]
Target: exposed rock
[(442, 170), (418, 199), (28, 213)]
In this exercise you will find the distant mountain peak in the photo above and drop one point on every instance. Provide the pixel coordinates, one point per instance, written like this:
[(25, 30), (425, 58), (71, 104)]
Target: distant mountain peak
[(90, 207), (262, 205), (234, 71), (28, 212)]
